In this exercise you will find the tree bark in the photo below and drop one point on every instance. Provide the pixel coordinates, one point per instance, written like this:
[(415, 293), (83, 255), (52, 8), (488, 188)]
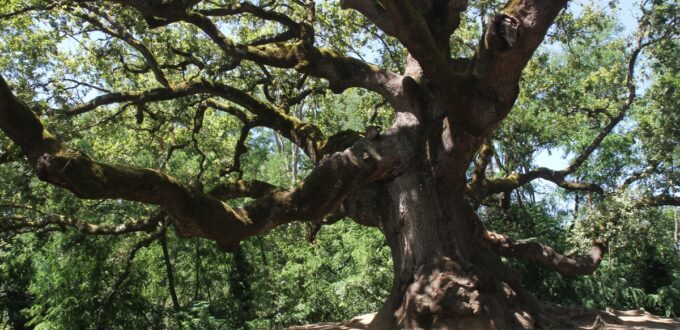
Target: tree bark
[(445, 275)]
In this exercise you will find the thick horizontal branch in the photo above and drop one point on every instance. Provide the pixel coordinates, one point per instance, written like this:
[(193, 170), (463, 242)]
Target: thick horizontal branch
[(194, 213), (659, 200), (341, 71), (546, 256), (487, 187)]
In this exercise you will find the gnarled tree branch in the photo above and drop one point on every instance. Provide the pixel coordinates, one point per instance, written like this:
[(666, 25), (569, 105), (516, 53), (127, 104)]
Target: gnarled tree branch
[(194, 213), (547, 256)]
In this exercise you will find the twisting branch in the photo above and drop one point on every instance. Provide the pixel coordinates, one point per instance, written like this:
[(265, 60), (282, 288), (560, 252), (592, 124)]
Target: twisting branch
[(239, 151), (547, 256), (194, 213), (342, 72)]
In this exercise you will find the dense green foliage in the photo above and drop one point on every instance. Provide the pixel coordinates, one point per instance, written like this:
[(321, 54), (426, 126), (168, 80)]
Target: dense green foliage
[(56, 277)]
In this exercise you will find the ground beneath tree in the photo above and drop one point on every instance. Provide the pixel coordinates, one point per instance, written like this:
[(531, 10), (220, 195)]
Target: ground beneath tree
[(559, 316)]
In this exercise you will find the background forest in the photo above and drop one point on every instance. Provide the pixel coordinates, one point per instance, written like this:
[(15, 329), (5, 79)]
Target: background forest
[(55, 276)]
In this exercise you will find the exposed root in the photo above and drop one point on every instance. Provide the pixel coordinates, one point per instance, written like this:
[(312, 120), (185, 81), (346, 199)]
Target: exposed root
[(554, 318)]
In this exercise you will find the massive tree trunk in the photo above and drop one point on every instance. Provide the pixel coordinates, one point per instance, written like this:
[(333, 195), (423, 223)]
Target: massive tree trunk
[(446, 275)]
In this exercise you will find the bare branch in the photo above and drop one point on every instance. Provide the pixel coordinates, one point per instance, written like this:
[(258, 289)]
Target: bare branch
[(639, 175), (247, 7), (515, 180)]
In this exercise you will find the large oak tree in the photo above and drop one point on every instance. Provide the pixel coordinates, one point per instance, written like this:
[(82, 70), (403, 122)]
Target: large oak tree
[(420, 181)]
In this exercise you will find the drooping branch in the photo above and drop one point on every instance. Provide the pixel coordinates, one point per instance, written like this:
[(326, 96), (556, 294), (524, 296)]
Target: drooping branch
[(194, 213), (546, 256), (306, 136)]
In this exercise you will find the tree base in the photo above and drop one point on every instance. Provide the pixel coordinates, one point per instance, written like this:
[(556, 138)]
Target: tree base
[(557, 318)]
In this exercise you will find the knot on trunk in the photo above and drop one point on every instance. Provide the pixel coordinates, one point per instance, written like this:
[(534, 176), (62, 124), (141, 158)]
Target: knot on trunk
[(503, 32)]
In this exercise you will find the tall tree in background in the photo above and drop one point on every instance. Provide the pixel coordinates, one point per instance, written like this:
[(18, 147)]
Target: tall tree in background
[(421, 181)]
